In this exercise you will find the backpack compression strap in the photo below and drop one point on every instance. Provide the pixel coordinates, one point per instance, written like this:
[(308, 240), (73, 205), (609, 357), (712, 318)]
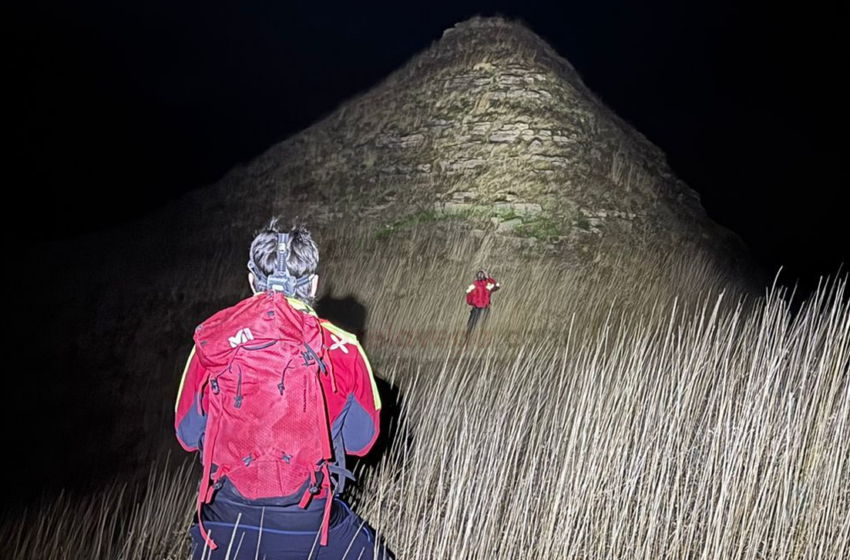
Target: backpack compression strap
[(206, 490)]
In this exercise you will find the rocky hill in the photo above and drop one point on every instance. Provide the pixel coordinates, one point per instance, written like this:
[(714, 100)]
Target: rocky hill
[(488, 131), (488, 125)]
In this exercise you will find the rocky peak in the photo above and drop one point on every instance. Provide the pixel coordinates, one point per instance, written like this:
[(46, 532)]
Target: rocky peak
[(489, 127)]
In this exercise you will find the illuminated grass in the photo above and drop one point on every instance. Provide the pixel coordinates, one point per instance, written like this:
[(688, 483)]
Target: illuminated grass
[(645, 410)]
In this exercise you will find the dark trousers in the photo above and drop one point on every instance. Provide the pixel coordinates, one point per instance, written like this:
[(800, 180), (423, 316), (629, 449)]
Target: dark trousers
[(348, 537), (476, 314)]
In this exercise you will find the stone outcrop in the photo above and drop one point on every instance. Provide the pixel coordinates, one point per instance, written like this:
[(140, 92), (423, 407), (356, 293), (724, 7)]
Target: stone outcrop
[(488, 116)]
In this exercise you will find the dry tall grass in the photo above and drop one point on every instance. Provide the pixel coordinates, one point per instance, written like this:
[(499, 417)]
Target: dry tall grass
[(644, 410)]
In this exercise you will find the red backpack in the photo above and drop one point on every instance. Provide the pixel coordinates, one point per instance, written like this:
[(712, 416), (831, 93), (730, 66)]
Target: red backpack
[(267, 427)]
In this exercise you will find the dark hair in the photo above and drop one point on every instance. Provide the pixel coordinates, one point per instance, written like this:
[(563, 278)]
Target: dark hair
[(303, 258)]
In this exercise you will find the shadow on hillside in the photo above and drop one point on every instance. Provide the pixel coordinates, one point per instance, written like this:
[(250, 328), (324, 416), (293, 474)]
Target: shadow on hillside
[(346, 313), (63, 407), (349, 314)]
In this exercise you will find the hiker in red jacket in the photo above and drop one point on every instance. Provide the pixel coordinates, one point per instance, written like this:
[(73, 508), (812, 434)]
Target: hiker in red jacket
[(274, 397), (478, 296)]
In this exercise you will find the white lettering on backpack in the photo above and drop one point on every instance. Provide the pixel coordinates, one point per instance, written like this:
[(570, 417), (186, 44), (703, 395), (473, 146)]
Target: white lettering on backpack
[(243, 336)]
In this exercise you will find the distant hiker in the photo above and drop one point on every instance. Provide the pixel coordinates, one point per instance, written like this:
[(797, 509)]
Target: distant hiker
[(478, 296), (274, 397)]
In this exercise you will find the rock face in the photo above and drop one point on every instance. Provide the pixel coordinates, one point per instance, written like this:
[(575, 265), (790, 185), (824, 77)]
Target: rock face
[(489, 123), (489, 129)]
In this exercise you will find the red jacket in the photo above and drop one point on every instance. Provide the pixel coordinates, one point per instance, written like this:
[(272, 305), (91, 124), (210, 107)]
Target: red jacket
[(353, 409), (478, 293), (343, 395)]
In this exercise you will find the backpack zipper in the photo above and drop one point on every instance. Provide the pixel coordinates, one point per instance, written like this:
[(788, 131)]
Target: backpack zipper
[(280, 386)]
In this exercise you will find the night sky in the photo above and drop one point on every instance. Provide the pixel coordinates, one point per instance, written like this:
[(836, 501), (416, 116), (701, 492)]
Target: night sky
[(126, 105)]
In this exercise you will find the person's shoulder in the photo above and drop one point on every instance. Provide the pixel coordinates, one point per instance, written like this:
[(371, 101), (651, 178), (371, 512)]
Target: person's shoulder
[(224, 314), (338, 331), (299, 305), (339, 339)]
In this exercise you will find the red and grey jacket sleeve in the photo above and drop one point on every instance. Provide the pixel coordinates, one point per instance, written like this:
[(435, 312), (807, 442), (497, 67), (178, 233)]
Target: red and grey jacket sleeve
[(470, 295), (190, 418), (492, 285), (354, 409)]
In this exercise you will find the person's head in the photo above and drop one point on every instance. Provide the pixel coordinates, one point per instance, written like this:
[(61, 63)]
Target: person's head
[(481, 275), (300, 256)]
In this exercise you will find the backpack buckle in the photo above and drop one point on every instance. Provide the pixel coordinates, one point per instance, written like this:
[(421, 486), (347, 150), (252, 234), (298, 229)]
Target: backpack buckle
[(310, 355), (307, 358)]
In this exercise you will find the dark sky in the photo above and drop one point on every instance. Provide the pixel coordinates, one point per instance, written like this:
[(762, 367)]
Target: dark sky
[(118, 107)]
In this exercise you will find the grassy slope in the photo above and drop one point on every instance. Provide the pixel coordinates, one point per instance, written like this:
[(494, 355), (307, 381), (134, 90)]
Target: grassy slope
[(631, 413)]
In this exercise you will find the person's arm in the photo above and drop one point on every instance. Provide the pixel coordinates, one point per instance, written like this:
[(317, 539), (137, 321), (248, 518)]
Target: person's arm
[(492, 285), (353, 402), (470, 294), (362, 422), (190, 418)]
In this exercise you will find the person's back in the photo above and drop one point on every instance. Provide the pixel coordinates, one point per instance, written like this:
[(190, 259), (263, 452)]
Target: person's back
[(478, 297), (274, 397)]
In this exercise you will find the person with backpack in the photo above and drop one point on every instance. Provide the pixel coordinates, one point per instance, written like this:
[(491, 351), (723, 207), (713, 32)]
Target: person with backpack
[(273, 398), (478, 296)]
